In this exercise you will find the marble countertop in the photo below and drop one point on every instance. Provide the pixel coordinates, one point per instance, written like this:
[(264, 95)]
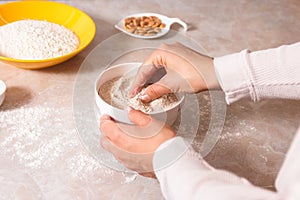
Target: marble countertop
[(41, 152)]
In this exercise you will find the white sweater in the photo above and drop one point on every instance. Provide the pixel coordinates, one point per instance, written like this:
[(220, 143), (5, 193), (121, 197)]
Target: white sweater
[(272, 73)]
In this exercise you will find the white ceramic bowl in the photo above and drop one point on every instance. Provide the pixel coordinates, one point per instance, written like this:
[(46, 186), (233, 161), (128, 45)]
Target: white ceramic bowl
[(167, 20), (2, 92), (168, 116)]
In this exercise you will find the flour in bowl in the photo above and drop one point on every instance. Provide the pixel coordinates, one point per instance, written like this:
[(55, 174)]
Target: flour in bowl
[(36, 40), (116, 93)]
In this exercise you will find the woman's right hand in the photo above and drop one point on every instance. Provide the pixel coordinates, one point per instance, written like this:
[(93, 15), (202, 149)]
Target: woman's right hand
[(186, 71)]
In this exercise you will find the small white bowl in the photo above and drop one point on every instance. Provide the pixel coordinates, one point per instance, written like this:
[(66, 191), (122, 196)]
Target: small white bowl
[(168, 116), (166, 20), (2, 91)]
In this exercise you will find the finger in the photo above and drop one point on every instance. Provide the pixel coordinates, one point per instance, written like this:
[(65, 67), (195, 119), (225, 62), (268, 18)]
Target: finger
[(143, 74), (108, 145), (154, 62), (105, 117), (145, 126), (127, 159), (110, 129), (112, 148), (121, 134), (139, 118), (105, 143), (154, 91)]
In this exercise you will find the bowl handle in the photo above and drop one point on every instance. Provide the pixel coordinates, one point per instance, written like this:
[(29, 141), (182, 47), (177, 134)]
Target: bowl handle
[(179, 21)]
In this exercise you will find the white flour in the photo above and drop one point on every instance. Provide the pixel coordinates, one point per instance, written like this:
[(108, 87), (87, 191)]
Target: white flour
[(35, 40), (116, 93), (40, 151), (165, 102)]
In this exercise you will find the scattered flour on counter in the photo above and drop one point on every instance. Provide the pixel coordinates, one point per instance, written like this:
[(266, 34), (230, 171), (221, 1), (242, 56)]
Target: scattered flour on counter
[(116, 93), (36, 39), (40, 138), (40, 151)]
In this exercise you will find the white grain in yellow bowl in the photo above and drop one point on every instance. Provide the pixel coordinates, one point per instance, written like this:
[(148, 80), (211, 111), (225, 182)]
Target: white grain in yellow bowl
[(71, 18)]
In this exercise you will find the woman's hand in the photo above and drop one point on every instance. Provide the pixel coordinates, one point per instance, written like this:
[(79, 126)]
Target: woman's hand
[(186, 71), (134, 145)]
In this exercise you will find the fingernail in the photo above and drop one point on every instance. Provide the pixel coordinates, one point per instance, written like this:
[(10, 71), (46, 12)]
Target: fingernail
[(133, 92), (145, 97)]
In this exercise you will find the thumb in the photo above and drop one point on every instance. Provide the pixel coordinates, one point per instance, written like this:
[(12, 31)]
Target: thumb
[(138, 117), (155, 91)]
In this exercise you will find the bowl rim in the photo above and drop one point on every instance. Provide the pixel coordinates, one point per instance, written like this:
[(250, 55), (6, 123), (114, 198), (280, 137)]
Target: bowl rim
[(2, 87), (77, 50), (118, 109)]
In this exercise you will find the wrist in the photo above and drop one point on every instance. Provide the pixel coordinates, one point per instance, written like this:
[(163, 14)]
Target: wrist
[(213, 82), (208, 77)]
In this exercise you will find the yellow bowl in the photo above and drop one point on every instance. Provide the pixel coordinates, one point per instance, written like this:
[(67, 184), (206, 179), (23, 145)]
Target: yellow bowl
[(76, 20)]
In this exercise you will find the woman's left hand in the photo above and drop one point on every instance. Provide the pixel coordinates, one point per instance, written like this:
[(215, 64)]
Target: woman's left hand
[(134, 145)]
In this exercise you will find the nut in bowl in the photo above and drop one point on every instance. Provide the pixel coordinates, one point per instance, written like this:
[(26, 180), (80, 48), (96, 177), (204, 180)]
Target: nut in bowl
[(148, 25), (144, 26), (112, 96)]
